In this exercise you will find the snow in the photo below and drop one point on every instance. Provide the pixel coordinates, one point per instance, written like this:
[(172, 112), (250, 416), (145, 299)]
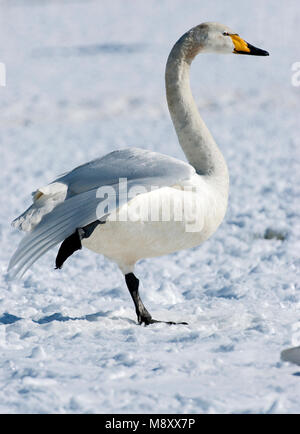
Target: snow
[(87, 77)]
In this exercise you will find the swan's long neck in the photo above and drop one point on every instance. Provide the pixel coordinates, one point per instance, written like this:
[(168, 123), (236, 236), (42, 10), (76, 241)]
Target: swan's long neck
[(194, 137)]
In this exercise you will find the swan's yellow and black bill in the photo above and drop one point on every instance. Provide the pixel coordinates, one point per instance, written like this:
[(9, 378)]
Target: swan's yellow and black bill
[(243, 47)]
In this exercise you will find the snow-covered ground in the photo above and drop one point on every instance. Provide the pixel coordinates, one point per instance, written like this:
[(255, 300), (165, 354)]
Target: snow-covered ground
[(85, 78)]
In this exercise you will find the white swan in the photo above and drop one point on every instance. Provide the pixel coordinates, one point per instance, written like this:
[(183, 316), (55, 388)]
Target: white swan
[(71, 209)]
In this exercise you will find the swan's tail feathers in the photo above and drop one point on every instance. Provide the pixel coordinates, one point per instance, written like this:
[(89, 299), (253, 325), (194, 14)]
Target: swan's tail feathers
[(53, 228), (45, 199)]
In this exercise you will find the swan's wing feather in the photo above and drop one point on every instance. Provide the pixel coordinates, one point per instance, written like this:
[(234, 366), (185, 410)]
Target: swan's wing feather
[(81, 206), (54, 227), (130, 163)]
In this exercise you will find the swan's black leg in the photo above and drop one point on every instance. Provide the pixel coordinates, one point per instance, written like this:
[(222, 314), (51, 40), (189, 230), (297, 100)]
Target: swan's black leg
[(73, 242), (143, 315), (69, 246)]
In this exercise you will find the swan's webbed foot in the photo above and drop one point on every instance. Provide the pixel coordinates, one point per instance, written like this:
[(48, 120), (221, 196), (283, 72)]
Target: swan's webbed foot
[(155, 321), (145, 319), (143, 316)]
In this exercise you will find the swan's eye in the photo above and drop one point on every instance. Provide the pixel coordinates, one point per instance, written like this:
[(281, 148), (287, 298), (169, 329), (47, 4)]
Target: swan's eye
[(225, 33)]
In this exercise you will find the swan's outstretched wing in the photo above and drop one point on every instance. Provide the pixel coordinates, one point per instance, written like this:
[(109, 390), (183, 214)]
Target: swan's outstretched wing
[(72, 201), (132, 164)]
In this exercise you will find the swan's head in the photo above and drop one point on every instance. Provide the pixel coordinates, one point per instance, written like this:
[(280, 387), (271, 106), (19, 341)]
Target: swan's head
[(217, 38)]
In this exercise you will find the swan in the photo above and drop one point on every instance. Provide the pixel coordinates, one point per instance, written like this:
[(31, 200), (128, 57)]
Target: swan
[(91, 206)]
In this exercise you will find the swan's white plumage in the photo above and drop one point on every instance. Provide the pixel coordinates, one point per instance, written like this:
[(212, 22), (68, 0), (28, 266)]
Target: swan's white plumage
[(72, 201), (134, 164), (126, 241), (45, 199)]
